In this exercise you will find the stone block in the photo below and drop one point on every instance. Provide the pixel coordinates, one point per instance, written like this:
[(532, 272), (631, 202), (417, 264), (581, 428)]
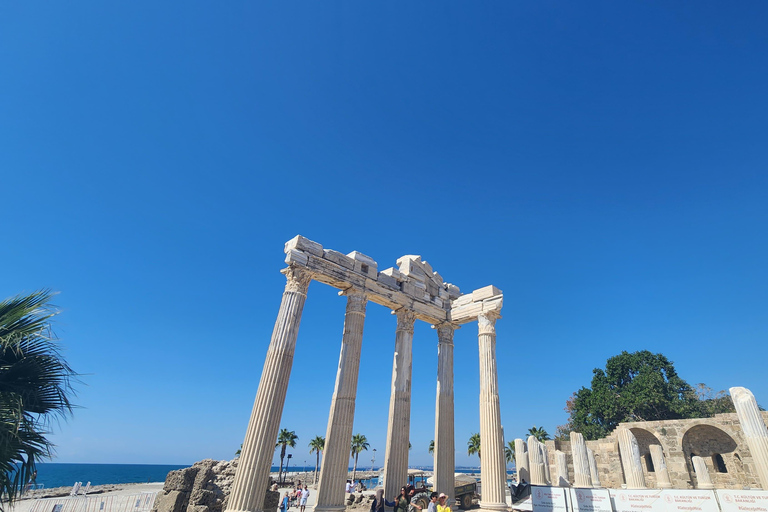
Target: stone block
[(432, 289), (437, 301), (304, 244), (337, 257), (453, 291), (181, 480), (443, 295), (462, 301), (358, 256), (437, 279), (202, 497), (493, 304), (418, 284), (412, 257), (408, 288), (364, 264), (427, 268), (173, 501), (411, 268), (295, 257), (394, 273), (388, 281), (485, 293)]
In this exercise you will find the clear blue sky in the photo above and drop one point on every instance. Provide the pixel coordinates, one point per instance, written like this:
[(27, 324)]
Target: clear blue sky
[(604, 164)]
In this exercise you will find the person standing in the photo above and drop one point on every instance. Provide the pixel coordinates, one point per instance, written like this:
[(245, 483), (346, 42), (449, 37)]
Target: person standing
[(284, 503), (442, 503), (304, 496)]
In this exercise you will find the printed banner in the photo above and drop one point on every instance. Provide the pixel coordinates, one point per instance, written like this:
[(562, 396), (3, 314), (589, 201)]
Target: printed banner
[(591, 500), (548, 499), (732, 500), (637, 500), (677, 500)]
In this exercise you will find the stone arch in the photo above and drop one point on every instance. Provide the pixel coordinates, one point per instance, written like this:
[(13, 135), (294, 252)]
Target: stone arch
[(646, 438), (718, 448)]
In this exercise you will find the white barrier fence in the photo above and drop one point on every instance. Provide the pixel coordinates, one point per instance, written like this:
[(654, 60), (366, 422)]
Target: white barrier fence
[(113, 503), (569, 499)]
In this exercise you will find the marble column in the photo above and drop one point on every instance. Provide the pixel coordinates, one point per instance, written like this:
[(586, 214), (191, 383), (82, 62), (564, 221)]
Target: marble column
[(630, 459), (250, 484), (581, 474), (754, 429), (521, 461), (333, 475), (493, 472), (399, 426), (561, 465), (593, 472), (660, 467), (536, 457), (444, 450), (545, 456), (702, 473)]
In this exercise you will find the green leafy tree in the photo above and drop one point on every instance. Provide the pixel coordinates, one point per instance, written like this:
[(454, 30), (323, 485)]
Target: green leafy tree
[(317, 445), (638, 386), (35, 388), (509, 451), (711, 403), (284, 439), (539, 433), (473, 445), (432, 447), (359, 443)]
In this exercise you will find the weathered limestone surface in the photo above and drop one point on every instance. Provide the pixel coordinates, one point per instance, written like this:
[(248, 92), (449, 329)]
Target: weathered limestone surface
[(702, 473), (398, 428), (333, 473), (755, 431), (593, 471), (630, 459), (521, 461), (445, 465), (660, 467), (581, 472), (250, 483), (492, 463), (561, 467), (537, 461), (545, 456)]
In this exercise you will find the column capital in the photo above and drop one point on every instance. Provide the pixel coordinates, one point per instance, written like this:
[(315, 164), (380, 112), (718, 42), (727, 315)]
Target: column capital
[(297, 279), (445, 332), (486, 322), (356, 300), (405, 320)]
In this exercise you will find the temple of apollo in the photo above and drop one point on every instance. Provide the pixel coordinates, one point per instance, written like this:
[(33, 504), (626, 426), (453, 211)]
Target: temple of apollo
[(413, 291)]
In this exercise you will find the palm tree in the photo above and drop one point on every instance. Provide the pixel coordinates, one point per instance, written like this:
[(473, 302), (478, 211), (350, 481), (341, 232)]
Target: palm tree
[(35, 387), (317, 445), (539, 433), (432, 447), (473, 446), (509, 451), (359, 443), (285, 438)]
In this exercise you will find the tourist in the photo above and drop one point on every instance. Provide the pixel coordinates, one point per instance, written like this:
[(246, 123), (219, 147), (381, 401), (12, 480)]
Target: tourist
[(304, 496), (431, 507), (442, 503), (349, 487), (284, 502), (378, 503), (401, 502)]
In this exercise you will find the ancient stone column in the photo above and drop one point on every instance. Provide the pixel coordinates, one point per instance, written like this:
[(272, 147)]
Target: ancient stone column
[(754, 429), (581, 474), (660, 467), (252, 473), (545, 456), (445, 465), (493, 471), (630, 459), (702, 473), (593, 472), (399, 426), (333, 475), (521, 461), (536, 457), (561, 465)]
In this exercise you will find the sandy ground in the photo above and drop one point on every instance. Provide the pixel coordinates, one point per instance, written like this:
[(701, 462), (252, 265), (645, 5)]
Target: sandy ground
[(28, 500)]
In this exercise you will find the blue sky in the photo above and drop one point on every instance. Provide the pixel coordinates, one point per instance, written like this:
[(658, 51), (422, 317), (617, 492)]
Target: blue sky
[(603, 163)]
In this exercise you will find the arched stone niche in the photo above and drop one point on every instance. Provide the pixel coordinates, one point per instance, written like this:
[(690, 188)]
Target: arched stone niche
[(719, 451), (646, 438)]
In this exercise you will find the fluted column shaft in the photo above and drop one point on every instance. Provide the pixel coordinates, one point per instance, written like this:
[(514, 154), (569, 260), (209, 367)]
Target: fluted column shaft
[(492, 463), (537, 461), (660, 467), (754, 429), (581, 475), (521, 461), (445, 465), (252, 473), (399, 426), (561, 465), (333, 475), (702, 473), (630, 459), (593, 472)]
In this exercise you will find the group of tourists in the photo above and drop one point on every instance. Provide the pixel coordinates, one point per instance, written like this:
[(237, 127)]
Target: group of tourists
[(404, 501), (298, 496)]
